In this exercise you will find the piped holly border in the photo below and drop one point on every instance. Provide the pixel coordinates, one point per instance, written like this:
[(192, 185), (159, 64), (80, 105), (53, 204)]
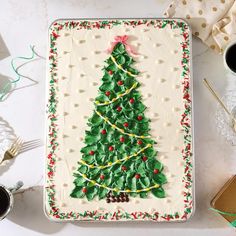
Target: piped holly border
[(52, 209)]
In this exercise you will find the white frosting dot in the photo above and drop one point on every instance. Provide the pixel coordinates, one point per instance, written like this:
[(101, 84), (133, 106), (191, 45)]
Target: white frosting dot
[(162, 157), (69, 150), (174, 148), (179, 131), (96, 66), (65, 136), (127, 30), (162, 80), (66, 94), (94, 83), (73, 168), (66, 34), (65, 185), (97, 52), (156, 45), (159, 61), (73, 127), (71, 66), (136, 201), (83, 58), (97, 36), (91, 99), (65, 113), (174, 51), (175, 69), (63, 77), (83, 202), (80, 91), (65, 52), (82, 75), (143, 57), (155, 114), (59, 159), (174, 35), (167, 200), (82, 41), (147, 76), (166, 99), (63, 204), (79, 139), (177, 86), (175, 109), (167, 124), (76, 105)]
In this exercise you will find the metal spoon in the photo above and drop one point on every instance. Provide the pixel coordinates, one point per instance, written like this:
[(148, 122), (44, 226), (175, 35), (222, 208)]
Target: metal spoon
[(231, 114)]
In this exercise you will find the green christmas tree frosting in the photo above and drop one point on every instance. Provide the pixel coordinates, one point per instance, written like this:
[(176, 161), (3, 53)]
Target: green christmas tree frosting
[(118, 155)]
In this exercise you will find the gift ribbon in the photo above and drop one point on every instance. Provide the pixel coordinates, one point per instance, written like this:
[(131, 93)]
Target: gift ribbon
[(233, 223), (122, 39), (5, 90)]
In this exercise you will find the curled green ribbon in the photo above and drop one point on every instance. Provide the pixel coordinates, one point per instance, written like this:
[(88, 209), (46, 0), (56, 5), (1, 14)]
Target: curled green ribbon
[(6, 88), (233, 223)]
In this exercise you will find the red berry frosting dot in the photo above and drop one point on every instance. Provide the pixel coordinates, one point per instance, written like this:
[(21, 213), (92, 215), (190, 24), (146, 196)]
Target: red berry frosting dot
[(108, 93), (124, 168), (131, 100), (118, 108), (126, 124), (120, 82), (137, 176), (139, 118), (102, 177), (111, 148), (91, 153), (156, 171), (140, 142), (144, 158), (110, 72), (84, 190), (122, 139), (103, 131)]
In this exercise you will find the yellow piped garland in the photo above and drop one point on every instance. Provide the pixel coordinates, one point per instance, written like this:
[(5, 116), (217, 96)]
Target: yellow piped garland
[(116, 189), (121, 68), (119, 129), (119, 96), (117, 161)]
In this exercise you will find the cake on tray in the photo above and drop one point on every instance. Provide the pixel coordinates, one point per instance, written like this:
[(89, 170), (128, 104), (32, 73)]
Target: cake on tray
[(119, 121)]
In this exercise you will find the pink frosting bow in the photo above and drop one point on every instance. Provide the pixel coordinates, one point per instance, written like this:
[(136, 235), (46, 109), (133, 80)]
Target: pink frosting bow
[(122, 39)]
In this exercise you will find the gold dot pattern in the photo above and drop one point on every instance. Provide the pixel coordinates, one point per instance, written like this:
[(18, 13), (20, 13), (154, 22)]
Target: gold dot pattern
[(200, 12), (207, 14), (226, 38), (213, 46)]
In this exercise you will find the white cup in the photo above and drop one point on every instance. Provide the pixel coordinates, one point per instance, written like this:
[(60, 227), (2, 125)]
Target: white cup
[(7, 199), (225, 55)]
